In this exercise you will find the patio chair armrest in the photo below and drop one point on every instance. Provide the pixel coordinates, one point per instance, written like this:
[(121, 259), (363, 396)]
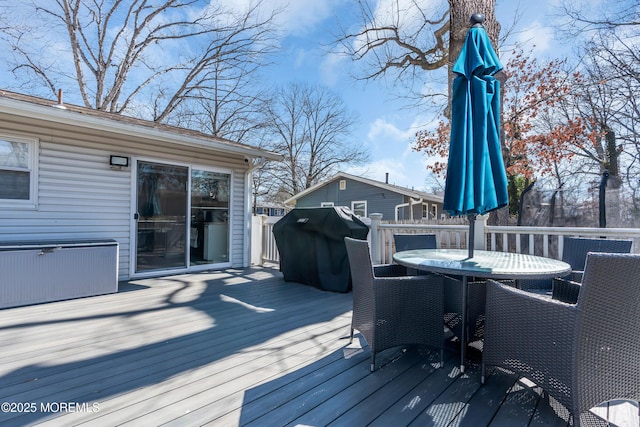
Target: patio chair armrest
[(389, 270), (576, 276), (394, 283), (519, 323), (404, 288), (506, 289), (565, 290)]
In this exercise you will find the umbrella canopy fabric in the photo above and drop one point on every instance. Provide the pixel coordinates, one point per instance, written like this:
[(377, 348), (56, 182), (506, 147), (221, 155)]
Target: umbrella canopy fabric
[(476, 178)]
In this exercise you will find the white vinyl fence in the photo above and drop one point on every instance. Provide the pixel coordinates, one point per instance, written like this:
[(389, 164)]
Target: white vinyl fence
[(544, 241)]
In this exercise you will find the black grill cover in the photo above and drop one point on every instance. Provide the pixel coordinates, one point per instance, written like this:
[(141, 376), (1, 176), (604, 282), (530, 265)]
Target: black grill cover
[(311, 246)]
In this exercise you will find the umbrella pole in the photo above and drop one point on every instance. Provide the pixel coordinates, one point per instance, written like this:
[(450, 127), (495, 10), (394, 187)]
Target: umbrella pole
[(465, 294), (464, 333), (472, 232)]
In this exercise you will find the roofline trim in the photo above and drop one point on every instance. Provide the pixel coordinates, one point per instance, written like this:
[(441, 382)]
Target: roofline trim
[(390, 187), (74, 118)]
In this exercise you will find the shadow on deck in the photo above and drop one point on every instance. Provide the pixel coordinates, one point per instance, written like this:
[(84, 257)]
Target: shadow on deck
[(235, 347)]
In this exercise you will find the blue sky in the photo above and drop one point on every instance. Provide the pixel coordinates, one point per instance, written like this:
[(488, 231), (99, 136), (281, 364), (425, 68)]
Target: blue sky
[(386, 126)]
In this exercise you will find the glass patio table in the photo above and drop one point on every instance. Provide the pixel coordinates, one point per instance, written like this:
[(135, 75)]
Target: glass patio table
[(483, 264)]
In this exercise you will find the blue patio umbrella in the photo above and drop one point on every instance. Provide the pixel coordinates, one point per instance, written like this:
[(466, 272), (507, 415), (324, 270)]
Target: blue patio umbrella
[(476, 178)]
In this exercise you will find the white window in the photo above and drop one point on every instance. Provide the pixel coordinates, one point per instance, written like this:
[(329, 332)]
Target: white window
[(359, 208), (343, 184), (425, 211), (326, 204), (17, 172), (434, 211)]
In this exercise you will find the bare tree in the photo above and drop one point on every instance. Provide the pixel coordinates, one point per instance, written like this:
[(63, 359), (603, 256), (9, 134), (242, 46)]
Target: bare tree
[(611, 64), (582, 17), (610, 98), (398, 39), (410, 40), (310, 127), (413, 36), (125, 56), (230, 108)]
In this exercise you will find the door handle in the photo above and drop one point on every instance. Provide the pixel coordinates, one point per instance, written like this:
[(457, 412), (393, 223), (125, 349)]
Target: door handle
[(136, 216)]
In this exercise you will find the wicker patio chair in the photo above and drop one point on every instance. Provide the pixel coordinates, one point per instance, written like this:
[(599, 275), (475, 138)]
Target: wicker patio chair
[(582, 354), (452, 288), (575, 253), (475, 306), (393, 311), (406, 242)]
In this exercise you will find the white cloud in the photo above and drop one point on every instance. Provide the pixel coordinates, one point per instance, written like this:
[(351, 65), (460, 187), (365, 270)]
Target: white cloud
[(381, 129), (301, 15), (295, 17), (332, 69), (388, 135), (408, 14), (391, 146), (300, 57), (409, 173), (536, 37), (377, 170)]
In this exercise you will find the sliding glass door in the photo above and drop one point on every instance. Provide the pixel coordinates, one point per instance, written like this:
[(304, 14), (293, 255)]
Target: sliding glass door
[(161, 216), (209, 241), (167, 237)]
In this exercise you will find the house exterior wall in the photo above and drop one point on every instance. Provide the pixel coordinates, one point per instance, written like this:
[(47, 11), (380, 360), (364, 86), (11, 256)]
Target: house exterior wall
[(378, 199), (80, 196), (269, 211)]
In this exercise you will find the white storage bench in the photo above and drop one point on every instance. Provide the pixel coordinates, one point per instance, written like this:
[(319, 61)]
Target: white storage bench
[(36, 272)]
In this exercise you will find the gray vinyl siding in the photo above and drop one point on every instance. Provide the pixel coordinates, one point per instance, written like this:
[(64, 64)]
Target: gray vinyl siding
[(379, 200), (80, 196), (417, 211)]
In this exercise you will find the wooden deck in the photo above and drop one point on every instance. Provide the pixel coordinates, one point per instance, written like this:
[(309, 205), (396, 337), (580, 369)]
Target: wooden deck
[(239, 347)]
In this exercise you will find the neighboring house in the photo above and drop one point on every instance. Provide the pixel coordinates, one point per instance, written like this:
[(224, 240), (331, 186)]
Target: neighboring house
[(366, 196), (269, 209), (175, 200)]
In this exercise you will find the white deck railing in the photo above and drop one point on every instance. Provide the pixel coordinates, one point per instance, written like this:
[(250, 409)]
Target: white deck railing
[(545, 241), (263, 244), (540, 240)]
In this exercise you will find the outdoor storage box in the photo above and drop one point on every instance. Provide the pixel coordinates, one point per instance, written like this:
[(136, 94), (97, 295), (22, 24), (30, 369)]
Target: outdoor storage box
[(36, 272)]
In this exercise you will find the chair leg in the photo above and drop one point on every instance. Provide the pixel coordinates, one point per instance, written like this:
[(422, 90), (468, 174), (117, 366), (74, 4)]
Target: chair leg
[(373, 362), (482, 373), (351, 337), (441, 358)]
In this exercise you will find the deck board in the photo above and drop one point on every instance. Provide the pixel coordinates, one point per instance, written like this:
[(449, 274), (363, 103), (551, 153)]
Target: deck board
[(290, 386), (446, 407), (518, 406), (342, 399), (485, 403), (242, 347), (377, 403), (419, 398)]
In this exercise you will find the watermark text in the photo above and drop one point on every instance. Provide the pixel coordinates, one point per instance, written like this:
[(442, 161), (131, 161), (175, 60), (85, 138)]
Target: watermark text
[(48, 407)]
